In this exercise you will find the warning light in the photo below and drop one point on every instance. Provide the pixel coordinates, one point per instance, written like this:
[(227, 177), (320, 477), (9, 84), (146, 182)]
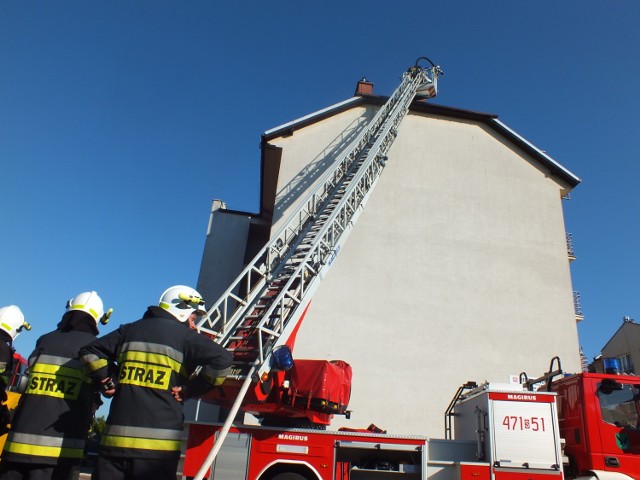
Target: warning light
[(282, 358), (611, 365)]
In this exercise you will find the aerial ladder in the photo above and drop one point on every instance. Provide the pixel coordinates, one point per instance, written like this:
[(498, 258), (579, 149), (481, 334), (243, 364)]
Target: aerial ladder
[(263, 307)]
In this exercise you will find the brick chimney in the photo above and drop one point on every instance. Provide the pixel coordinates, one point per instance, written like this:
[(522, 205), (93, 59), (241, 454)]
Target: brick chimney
[(364, 87)]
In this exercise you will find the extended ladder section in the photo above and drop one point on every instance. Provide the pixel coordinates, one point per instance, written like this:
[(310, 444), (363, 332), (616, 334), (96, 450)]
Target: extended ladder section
[(263, 306)]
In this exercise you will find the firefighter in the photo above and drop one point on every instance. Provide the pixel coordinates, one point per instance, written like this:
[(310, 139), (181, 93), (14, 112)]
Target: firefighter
[(50, 425), (158, 357), (11, 324)]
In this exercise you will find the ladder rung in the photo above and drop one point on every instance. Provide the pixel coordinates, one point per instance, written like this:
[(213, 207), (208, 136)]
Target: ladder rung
[(239, 339)]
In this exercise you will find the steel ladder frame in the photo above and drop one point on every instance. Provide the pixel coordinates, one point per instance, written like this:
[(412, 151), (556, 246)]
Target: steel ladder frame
[(289, 268)]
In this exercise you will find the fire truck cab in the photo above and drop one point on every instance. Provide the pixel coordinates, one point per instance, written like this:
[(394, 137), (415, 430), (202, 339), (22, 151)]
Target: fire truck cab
[(600, 423)]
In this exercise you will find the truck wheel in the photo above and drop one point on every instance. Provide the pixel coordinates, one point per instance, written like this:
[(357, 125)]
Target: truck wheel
[(289, 476)]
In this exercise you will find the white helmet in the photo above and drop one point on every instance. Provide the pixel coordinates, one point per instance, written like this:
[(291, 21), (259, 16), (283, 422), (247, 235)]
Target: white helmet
[(91, 303), (181, 301), (12, 320)]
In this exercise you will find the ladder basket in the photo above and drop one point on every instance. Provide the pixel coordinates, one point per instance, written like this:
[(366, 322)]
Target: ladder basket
[(319, 385)]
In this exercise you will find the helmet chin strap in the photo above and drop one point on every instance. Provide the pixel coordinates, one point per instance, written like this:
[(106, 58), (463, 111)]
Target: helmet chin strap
[(25, 325)]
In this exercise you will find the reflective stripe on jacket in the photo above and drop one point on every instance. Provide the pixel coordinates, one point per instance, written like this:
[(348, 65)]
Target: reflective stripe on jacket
[(157, 439), (43, 446)]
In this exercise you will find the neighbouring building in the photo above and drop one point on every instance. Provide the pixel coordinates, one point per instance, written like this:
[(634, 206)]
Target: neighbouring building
[(624, 346), (457, 269)]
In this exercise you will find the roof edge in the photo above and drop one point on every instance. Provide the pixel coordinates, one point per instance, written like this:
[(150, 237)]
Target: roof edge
[(285, 128), (526, 145), (489, 119)]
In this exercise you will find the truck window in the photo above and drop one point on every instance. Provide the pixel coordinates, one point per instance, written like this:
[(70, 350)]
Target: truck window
[(620, 405)]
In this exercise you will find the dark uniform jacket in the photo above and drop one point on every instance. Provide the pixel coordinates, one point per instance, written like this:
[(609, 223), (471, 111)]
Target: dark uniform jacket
[(53, 417), (6, 352), (153, 355)]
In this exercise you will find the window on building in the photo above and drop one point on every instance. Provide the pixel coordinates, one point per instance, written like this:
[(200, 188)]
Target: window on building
[(626, 364)]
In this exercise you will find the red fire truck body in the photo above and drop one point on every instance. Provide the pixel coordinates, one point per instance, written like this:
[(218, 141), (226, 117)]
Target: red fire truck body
[(599, 422), (502, 432), (260, 452)]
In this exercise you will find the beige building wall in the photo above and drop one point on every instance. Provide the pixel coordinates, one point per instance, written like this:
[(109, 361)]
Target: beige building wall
[(625, 345), (456, 270)]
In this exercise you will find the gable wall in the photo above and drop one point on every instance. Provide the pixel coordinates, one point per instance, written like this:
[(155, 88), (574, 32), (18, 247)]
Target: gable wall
[(457, 270)]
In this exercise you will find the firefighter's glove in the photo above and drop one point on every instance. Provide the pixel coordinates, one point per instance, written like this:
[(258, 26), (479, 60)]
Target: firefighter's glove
[(108, 387), (180, 394), (218, 381)]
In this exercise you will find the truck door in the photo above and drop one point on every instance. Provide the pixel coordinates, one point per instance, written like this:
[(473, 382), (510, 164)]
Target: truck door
[(619, 425)]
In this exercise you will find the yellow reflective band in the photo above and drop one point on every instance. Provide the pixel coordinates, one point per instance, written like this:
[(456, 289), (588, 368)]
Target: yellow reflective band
[(219, 381), (141, 443), (6, 327), (98, 364), (54, 386), (145, 375), (40, 451), (81, 307), (151, 358), (164, 305)]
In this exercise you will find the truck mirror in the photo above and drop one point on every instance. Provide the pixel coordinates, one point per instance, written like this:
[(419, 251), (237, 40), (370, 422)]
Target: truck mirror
[(607, 386)]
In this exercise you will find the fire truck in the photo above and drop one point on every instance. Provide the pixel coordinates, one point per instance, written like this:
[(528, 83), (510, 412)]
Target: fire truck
[(492, 431), (500, 431), (573, 426), (14, 380)]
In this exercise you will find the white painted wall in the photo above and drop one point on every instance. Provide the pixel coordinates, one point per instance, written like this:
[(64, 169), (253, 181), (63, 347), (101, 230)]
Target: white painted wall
[(457, 270)]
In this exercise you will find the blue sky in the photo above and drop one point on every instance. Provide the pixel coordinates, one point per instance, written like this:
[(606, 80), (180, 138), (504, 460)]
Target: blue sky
[(120, 121)]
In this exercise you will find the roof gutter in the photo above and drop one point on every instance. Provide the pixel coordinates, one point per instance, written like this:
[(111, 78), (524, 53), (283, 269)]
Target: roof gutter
[(311, 118), (561, 171)]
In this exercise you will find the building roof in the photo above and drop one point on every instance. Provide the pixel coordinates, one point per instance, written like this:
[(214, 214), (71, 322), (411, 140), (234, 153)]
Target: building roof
[(626, 323), (489, 119)]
